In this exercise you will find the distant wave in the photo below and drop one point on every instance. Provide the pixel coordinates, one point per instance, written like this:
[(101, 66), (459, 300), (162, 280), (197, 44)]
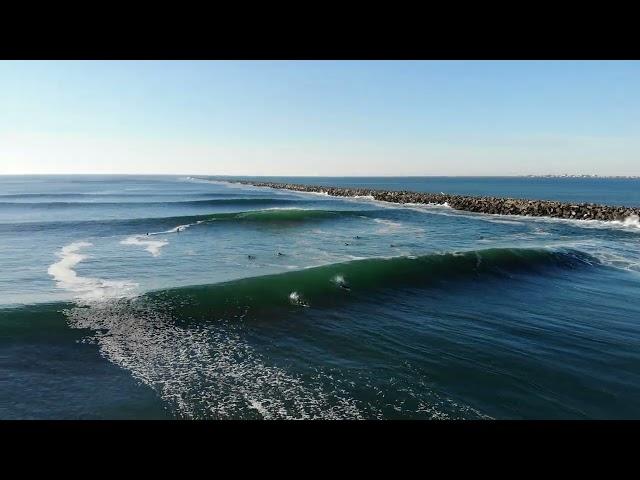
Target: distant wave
[(283, 215), (149, 224), (190, 203), (117, 194), (270, 215)]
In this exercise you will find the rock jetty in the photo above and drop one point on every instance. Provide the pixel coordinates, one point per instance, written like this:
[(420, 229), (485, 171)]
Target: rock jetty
[(491, 205)]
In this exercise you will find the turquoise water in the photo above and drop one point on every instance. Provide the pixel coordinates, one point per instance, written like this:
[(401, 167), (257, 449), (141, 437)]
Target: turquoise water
[(179, 297)]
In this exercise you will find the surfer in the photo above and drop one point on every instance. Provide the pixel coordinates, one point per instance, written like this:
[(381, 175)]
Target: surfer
[(251, 257), (280, 254), (357, 237), (340, 282)]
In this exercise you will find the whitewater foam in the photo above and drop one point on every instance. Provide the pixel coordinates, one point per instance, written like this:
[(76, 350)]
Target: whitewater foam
[(204, 371), (86, 288), (179, 228), (631, 221), (296, 299), (151, 246), (154, 246)]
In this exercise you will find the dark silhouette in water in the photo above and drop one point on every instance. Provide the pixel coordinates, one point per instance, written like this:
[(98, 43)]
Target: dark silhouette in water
[(280, 254), (346, 243), (251, 257)]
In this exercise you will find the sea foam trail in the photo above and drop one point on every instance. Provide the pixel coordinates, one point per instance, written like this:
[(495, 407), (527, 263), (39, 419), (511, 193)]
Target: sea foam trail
[(86, 288), (179, 228), (209, 370), (204, 370), (154, 246)]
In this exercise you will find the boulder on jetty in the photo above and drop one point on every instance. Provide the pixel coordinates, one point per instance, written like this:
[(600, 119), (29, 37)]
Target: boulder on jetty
[(491, 205)]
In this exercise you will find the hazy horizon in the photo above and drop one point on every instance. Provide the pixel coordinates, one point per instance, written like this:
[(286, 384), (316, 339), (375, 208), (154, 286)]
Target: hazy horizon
[(195, 175), (320, 118)]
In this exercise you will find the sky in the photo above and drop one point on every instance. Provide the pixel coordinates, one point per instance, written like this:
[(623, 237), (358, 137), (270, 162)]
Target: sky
[(328, 118)]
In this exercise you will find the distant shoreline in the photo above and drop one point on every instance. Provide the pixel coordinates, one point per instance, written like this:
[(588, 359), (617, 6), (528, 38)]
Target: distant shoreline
[(476, 204), (208, 175), (581, 176)]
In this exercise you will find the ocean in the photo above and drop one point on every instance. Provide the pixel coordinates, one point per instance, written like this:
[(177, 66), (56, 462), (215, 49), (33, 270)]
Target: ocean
[(177, 297)]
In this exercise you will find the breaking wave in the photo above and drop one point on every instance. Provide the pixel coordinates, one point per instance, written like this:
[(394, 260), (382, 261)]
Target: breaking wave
[(317, 286)]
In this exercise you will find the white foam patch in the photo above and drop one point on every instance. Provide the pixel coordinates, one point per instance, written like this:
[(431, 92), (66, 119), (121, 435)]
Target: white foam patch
[(632, 221), (86, 288), (444, 205), (151, 246), (321, 194), (363, 197)]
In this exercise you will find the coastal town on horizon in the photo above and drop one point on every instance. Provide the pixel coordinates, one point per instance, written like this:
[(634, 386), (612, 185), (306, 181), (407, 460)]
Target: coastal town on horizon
[(567, 175)]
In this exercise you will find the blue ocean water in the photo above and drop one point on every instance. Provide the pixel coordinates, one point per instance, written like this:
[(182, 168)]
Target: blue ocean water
[(181, 297)]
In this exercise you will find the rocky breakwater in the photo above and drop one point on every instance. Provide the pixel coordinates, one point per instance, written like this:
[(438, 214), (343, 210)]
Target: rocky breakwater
[(491, 205)]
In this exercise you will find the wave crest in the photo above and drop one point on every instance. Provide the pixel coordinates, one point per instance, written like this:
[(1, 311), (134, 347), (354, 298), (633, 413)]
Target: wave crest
[(327, 284)]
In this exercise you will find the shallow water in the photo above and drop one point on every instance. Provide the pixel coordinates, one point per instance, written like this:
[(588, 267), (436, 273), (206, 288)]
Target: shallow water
[(136, 297)]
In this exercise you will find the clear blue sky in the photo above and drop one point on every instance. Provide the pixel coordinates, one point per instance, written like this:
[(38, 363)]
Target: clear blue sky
[(320, 118)]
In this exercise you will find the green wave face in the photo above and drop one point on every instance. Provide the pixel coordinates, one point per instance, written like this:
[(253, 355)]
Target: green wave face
[(282, 215), (324, 285)]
